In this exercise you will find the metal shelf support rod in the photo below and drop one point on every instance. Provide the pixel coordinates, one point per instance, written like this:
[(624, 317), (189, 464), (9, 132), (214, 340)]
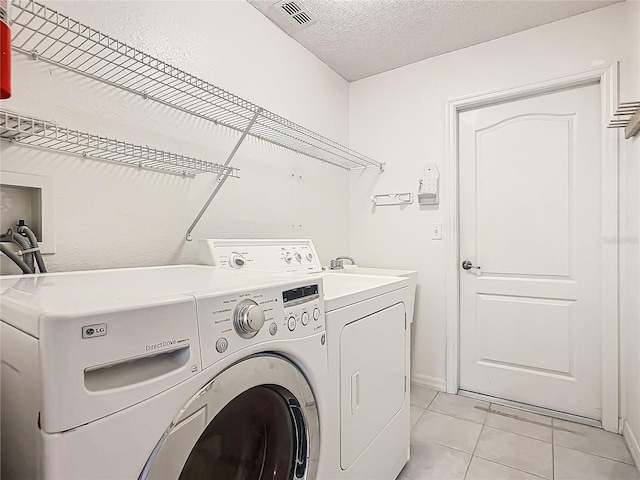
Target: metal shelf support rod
[(221, 178)]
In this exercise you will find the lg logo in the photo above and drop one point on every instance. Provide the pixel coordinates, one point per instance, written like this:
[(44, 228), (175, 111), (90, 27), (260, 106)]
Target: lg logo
[(91, 331)]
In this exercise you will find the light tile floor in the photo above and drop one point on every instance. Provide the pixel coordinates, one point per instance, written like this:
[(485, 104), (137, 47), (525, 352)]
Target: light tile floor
[(456, 438)]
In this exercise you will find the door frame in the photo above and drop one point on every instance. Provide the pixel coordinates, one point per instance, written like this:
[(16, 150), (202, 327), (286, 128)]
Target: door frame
[(607, 77)]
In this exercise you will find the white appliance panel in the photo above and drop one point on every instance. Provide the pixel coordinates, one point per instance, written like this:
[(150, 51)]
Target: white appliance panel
[(144, 352), (287, 256), (282, 321), (373, 370)]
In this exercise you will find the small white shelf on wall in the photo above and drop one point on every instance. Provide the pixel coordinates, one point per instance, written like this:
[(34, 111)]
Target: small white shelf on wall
[(49, 136), (50, 36)]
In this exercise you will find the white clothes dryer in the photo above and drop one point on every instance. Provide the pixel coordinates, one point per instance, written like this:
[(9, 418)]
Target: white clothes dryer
[(368, 340), (412, 275), (183, 372)]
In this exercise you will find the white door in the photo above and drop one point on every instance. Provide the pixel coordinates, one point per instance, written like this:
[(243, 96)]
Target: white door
[(530, 218)]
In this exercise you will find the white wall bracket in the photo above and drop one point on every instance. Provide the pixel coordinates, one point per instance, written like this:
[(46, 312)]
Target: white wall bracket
[(392, 199), (631, 124)]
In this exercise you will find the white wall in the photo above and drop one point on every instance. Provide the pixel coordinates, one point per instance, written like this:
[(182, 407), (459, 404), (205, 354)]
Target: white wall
[(399, 117), (112, 216)]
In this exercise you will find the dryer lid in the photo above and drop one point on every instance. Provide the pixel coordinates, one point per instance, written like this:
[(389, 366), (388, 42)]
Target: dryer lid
[(342, 289)]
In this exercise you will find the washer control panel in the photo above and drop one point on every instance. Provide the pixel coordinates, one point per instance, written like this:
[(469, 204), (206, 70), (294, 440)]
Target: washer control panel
[(289, 256), (232, 322)]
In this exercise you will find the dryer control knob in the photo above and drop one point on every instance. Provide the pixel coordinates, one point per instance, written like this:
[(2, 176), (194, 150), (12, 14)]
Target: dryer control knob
[(288, 257), (236, 260), (248, 318), (298, 257)]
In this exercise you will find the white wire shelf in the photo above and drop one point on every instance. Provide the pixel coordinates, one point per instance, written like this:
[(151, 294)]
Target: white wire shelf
[(49, 136), (55, 38)]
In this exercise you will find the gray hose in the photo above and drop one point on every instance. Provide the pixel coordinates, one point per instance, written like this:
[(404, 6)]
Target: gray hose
[(34, 244), (22, 243), (15, 259)]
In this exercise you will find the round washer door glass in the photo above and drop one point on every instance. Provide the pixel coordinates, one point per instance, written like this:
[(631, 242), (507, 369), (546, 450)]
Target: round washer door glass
[(253, 437), (257, 420)]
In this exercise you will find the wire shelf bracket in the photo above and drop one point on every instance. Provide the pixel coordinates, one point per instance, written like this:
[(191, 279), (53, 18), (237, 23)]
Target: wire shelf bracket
[(49, 136), (50, 36), (221, 178)]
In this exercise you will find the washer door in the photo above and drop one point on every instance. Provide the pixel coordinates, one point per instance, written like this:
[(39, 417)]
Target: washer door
[(257, 420)]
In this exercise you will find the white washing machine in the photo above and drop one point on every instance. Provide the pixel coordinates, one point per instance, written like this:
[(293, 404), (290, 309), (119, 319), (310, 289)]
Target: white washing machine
[(184, 372), (369, 348)]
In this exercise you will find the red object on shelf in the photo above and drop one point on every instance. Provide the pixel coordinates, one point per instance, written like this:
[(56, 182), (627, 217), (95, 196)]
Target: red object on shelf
[(5, 50)]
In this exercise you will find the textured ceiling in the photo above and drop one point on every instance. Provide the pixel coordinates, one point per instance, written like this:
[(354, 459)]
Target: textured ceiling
[(358, 38)]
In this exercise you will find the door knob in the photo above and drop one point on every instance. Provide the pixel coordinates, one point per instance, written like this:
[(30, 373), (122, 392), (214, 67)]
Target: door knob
[(467, 265)]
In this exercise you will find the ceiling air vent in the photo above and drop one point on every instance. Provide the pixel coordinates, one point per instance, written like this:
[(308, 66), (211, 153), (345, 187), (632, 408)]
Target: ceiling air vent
[(295, 12)]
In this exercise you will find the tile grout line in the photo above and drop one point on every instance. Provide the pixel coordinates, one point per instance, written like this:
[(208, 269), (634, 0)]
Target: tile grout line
[(520, 434), (596, 455), (552, 441), (431, 401), (484, 421), (488, 412), (448, 446), (511, 466), (421, 415), (500, 429), (553, 452), (473, 453)]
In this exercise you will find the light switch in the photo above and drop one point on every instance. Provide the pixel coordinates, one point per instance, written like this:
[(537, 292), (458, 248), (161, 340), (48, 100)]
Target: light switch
[(437, 231)]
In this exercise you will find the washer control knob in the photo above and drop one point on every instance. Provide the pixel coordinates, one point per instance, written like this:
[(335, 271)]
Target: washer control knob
[(291, 323), (248, 318), (273, 329), (221, 345), (298, 257), (316, 313), (304, 319), (309, 256), (236, 260), (288, 257)]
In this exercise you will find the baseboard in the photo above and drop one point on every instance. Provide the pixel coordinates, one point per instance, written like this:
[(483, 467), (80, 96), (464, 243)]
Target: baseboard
[(632, 444), (439, 384)]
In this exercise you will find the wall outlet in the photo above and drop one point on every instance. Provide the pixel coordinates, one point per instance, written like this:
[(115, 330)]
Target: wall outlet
[(436, 233)]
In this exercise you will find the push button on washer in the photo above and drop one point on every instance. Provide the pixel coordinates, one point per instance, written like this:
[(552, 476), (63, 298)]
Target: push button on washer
[(305, 318), (221, 345), (273, 328), (291, 323), (316, 313)]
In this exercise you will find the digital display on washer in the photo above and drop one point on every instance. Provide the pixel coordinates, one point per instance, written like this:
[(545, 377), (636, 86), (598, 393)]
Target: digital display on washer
[(300, 295)]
